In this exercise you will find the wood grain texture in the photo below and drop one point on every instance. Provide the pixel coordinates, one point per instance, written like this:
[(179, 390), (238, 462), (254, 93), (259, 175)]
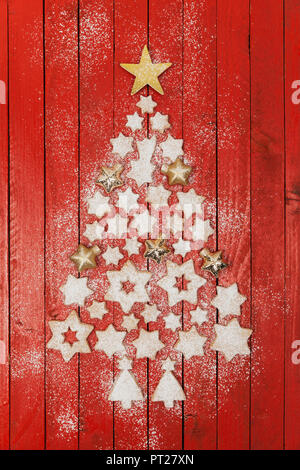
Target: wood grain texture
[(61, 139), (27, 337), (233, 196), (292, 201), (267, 225), (96, 130), (199, 131), (130, 37), (4, 268), (165, 40)]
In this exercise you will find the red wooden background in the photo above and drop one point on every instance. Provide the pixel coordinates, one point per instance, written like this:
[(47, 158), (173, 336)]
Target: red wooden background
[(228, 94)]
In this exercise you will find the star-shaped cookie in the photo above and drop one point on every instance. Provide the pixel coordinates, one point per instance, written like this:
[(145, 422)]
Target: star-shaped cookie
[(143, 223), (93, 231), (147, 344), (132, 246), (130, 322), (128, 201), (158, 196), (190, 343), (190, 203), (172, 321), (156, 249), (110, 341), (160, 122), (85, 258), (128, 273), (98, 205), (228, 300), (198, 316), (213, 261), (112, 255), (232, 339), (122, 145), (97, 310), (58, 339), (146, 104), (134, 121), (146, 72), (182, 247), (75, 290), (110, 178), (150, 313), (117, 226), (175, 271), (172, 148), (177, 172)]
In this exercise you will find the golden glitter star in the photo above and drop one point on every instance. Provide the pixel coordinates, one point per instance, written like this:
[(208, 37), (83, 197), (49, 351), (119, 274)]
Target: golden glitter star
[(85, 258), (146, 73), (213, 262), (177, 172), (109, 178), (156, 249)]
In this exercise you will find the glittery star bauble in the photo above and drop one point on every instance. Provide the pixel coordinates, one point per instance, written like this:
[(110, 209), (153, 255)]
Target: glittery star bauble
[(85, 258), (156, 249), (109, 178), (213, 262), (146, 73), (177, 172)]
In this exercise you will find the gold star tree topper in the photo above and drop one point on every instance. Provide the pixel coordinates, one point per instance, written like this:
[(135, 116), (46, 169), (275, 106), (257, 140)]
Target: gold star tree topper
[(109, 178), (177, 172), (213, 262), (85, 258), (146, 73), (156, 249)]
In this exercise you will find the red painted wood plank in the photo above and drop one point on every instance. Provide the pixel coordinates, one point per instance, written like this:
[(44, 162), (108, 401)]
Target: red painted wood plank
[(130, 38), (165, 41), (292, 389), (267, 196), (27, 223), (234, 209), (200, 147), (61, 74), (96, 130), (4, 315)]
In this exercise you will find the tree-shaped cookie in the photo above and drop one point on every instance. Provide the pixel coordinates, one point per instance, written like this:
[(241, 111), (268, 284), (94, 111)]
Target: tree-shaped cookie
[(169, 389), (125, 388)]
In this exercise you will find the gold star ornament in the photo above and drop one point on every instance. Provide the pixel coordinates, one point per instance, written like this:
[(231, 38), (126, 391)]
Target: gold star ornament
[(156, 249), (213, 262), (177, 172), (146, 73), (85, 258), (109, 178)]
